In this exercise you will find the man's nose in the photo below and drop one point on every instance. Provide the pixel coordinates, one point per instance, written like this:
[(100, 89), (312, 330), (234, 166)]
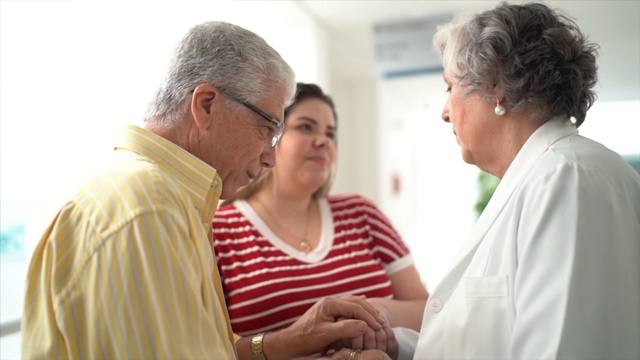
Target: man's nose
[(268, 156)]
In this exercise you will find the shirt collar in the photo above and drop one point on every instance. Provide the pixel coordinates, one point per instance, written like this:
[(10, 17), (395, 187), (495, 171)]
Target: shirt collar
[(538, 143), (201, 181)]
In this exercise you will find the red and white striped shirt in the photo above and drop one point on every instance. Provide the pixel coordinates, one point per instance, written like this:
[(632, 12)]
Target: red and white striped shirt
[(269, 284)]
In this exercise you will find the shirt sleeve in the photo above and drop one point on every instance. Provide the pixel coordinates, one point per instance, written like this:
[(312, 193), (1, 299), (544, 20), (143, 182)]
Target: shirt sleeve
[(386, 242)]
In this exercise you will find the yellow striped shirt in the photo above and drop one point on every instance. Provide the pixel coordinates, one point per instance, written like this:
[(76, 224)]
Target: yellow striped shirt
[(125, 270)]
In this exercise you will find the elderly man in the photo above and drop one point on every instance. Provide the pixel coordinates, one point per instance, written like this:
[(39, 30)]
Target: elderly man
[(126, 270)]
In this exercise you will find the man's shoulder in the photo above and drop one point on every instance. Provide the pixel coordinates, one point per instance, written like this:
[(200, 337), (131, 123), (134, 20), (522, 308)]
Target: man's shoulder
[(127, 186)]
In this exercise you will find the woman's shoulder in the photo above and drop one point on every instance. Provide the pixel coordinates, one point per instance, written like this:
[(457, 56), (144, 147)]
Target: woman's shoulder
[(350, 200), (227, 211)]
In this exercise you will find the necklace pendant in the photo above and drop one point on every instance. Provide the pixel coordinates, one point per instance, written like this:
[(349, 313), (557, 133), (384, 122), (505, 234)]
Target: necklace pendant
[(305, 246)]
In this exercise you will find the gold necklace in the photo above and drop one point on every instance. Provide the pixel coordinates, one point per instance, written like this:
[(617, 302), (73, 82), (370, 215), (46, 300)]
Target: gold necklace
[(304, 243)]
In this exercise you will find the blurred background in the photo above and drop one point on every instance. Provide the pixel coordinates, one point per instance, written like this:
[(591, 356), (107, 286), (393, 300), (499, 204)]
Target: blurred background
[(71, 72)]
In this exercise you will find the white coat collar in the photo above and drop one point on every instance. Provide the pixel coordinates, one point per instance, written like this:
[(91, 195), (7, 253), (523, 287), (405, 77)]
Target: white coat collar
[(539, 142)]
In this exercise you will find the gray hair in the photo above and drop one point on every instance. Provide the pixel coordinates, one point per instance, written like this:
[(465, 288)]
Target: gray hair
[(538, 55), (226, 56)]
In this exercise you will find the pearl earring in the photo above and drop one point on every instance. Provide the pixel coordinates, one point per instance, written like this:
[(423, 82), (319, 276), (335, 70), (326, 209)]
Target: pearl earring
[(500, 110)]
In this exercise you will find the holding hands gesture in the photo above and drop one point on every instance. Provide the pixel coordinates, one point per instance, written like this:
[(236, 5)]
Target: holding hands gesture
[(347, 324)]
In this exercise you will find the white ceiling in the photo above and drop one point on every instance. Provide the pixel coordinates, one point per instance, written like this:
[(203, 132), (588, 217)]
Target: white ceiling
[(614, 25)]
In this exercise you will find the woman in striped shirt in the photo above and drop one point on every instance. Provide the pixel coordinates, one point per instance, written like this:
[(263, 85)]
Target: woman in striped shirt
[(282, 243)]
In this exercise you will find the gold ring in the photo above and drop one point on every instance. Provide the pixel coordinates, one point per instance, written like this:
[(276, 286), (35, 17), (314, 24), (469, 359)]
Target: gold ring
[(353, 355)]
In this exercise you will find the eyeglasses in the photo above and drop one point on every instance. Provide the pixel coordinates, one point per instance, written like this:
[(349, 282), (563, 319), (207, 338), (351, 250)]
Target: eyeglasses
[(277, 132)]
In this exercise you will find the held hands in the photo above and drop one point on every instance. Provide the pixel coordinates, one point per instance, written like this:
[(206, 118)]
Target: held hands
[(348, 354), (359, 322), (383, 340)]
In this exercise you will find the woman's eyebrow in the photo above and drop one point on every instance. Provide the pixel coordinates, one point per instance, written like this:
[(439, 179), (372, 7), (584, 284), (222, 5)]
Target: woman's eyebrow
[(314, 121)]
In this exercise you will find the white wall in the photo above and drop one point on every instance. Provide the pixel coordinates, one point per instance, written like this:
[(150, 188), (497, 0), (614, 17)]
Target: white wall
[(433, 208), (357, 165)]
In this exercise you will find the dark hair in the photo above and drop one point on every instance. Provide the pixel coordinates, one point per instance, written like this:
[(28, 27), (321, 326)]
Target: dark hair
[(310, 91), (538, 55)]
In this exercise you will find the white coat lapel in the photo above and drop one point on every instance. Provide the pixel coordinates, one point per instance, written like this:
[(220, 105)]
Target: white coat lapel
[(539, 142)]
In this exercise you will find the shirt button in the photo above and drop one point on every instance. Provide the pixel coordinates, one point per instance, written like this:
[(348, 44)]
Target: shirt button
[(435, 305)]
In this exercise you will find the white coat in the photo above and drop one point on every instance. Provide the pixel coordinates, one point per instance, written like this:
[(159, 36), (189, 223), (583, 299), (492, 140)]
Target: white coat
[(551, 269)]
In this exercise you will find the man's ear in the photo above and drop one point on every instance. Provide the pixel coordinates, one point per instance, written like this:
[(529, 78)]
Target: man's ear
[(203, 101)]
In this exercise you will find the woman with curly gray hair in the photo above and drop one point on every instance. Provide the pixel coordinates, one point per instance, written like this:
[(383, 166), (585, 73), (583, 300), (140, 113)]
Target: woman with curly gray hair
[(552, 267)]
